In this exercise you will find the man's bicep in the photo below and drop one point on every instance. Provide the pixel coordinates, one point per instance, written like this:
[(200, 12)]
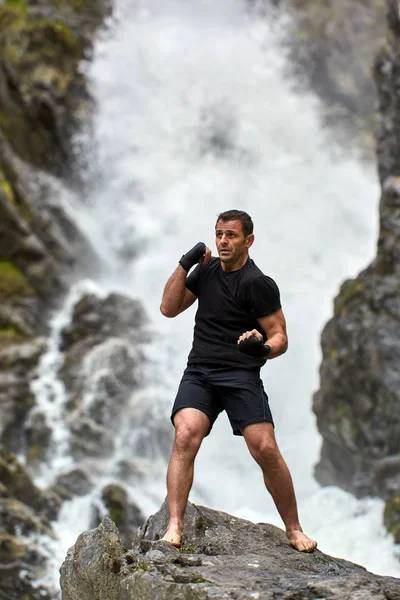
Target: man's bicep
[(188, 299), (274, 323)]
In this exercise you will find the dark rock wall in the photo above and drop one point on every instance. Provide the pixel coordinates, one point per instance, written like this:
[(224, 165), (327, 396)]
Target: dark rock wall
[(43, 102), (332, 46), (358, 403)]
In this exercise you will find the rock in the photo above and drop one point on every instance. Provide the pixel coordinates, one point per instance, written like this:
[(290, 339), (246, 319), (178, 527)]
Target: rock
[(126, 515), (323, 38), (88, 439), (391, 517), (222, 557), (16, 518), (43, 92), (358, 403), (114, 316), (24, 514), (18, 363), (101, 369), (76, 481)]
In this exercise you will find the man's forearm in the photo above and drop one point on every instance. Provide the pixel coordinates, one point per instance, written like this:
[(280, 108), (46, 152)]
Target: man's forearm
[(174, 293), (278, 344)]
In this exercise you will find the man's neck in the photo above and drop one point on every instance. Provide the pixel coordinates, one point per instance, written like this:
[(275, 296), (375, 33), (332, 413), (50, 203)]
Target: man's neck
[(235, 266)]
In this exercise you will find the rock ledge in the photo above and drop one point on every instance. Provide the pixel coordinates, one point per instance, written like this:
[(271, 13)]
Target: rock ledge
[(221, 557)]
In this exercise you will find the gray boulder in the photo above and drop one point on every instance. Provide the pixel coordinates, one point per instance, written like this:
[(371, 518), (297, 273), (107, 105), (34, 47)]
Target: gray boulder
[(358, 403), (221, 557)]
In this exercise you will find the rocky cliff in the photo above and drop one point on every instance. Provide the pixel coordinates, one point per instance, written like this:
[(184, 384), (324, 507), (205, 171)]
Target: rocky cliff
[(43, 104), (358, 403), (332, 46), (221, 557)]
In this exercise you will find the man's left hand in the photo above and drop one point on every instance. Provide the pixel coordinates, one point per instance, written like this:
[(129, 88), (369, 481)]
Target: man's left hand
[(252, 344)]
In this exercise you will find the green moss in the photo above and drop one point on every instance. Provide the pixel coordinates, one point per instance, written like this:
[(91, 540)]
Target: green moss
[(340, 409), (11, 548), (200, 522), (5, 183), (391, 517), (349, 289), (34, 453), (333, 354), (188, 548), (13, 283), (9, 336)]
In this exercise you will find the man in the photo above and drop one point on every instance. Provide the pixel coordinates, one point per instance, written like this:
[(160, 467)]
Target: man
[(239, 312)]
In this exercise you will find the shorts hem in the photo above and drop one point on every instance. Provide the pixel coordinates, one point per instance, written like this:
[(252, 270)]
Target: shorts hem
[(202, 411), (251, 422)]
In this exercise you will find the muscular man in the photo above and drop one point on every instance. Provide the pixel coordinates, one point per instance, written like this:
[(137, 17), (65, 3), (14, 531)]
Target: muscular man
[(238, 324)]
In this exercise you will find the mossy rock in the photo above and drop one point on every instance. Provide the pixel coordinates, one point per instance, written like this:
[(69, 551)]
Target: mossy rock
[(349, 290), (40, 65), (12, 548), (116, 499), (10, 336), (13, 283), (18, 482), (391, 517)]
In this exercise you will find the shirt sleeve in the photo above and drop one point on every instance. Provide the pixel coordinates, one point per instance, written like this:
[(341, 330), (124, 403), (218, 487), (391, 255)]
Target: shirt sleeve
[(193, 281), (264, 297)]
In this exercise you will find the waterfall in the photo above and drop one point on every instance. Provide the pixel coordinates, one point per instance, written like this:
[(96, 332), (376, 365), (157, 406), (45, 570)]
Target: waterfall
[(195, 116)]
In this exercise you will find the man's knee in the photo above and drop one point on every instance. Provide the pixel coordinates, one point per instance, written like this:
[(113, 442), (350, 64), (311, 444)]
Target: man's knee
[(261, 441), (190, 429)]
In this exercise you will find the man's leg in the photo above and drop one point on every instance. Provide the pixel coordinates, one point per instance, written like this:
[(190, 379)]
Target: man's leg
[(260, 439), (191, 425)]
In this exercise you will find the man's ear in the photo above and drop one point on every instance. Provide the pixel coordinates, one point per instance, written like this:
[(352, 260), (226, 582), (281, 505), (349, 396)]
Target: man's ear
[(249, 240)]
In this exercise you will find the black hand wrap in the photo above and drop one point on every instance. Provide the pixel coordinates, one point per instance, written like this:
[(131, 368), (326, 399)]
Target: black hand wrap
[(254, 347), (193, 256)]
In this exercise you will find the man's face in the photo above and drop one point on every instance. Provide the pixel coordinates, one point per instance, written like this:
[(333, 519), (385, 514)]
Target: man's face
[(232, 245)]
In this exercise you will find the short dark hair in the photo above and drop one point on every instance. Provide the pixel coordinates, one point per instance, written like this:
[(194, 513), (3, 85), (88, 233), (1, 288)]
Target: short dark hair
[(238, 215)]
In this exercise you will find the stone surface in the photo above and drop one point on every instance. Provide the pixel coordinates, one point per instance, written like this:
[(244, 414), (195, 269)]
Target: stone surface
[(332, 46), (101, 369), (358, 403), (24, 513), (221, 557), (126, 515)]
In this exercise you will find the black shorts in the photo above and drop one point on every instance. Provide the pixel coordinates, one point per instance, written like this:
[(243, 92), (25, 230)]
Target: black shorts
[(212, 389)]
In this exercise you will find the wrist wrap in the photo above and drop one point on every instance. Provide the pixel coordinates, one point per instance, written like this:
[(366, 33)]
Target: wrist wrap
[(254, 347), (193, 256)]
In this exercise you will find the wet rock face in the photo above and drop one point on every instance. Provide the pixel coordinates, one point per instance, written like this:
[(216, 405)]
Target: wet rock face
[(18, 363), (42, 92), (333, 45), (24, 511), (123, 512), (101, 369), (358, 403), (221, 557)]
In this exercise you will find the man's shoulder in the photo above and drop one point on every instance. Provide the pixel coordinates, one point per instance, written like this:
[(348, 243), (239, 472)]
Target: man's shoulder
[(212, 266), (255, 273)]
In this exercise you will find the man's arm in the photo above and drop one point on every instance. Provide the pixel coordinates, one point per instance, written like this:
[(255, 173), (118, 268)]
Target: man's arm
[(176, 297), (274, 326)]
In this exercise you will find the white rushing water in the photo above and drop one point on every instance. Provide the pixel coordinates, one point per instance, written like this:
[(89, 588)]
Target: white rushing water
[(195, 116)]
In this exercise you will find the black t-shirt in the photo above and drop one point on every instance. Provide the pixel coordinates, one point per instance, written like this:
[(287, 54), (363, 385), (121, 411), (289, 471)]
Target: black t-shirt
[(230, 302)]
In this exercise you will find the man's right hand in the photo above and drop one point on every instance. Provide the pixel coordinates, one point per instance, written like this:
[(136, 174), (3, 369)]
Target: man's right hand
[(199, 253)]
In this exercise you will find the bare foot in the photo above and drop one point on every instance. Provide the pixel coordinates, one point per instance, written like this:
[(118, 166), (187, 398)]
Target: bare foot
[(173, 535), (300, 541)]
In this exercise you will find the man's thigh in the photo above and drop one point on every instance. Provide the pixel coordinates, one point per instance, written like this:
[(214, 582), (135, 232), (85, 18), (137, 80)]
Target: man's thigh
[(195, 392), (243, 397)]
